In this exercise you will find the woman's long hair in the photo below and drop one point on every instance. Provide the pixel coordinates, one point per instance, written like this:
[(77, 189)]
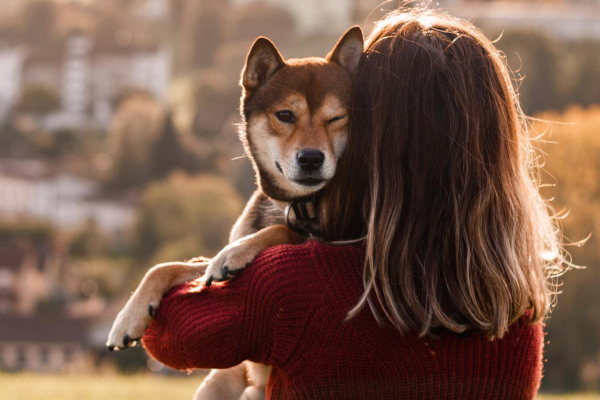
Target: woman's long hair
[(439, 175)]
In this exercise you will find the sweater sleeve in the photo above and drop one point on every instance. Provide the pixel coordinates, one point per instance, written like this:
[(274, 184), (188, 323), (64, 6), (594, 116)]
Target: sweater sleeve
[(221, 326)]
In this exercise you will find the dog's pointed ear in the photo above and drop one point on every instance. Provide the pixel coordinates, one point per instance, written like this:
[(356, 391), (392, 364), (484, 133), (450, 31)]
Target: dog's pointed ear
[(348, 49), (262, 62)]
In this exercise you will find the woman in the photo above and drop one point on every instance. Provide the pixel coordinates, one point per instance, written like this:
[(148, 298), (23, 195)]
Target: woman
[(445, 296)]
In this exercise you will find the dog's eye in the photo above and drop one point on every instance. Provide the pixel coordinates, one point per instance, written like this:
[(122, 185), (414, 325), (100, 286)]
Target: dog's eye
[(334, 119), (286, 116)]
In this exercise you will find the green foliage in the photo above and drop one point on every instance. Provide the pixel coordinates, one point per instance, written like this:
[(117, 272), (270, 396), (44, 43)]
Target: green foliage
[(134, 128), (204, 27), (18, 141), (185, 216), (573, 164), (114, 276), (214, 99), (38, 100), (15, 230), (255, 19), (146, 145), (167, 153), (65, 141), (582, 66), (551, 74), (200, 32), (89, 241), (14, 142)]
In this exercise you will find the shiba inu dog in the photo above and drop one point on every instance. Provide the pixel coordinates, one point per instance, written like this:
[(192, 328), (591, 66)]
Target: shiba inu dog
[(295, 128)]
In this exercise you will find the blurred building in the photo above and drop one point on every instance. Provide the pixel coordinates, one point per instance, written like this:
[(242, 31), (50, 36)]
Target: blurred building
[(31, 189), (29, 341), (43, 344), (43, 326), (89, 79), (26, 275), (560, 19), (314, 16)]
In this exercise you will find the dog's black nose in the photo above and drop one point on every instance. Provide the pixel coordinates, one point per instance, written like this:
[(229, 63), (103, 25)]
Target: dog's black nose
[(310, 159)]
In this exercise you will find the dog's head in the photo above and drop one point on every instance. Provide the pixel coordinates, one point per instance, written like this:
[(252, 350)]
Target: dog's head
[(296, 115)]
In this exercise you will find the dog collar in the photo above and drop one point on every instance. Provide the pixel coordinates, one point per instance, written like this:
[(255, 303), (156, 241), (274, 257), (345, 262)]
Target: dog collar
[(301, 216)]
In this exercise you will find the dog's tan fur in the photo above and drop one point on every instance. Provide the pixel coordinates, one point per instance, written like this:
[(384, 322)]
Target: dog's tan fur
[(317, 92)]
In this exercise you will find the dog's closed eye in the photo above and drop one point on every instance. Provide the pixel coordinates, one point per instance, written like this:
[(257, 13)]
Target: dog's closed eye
[(335, 119)]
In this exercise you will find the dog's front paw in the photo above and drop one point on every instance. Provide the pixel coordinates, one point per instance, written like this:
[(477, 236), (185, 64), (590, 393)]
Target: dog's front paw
[(231, 260), (131, 323)]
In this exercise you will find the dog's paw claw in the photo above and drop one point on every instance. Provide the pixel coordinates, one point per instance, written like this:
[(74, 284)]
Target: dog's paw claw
[(131, 323), (209, 281), (225, 273)]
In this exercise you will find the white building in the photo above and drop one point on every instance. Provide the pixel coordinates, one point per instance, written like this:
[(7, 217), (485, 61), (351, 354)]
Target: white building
[(11, 67), (29, 189), (314, 16), (113, 72), (87, 79), (92, 79)]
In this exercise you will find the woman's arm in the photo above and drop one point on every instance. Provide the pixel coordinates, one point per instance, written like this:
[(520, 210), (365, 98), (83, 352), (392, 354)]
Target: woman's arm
[(198, 327), (221, 326)]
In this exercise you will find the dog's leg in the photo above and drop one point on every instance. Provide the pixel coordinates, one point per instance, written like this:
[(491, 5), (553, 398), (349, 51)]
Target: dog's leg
[(246, 381), (253, 393), (240, 253), (258, 375), (223, 384), (139, 310)]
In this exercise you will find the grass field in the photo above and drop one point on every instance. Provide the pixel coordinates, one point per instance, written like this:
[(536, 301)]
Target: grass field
[(127, 387)]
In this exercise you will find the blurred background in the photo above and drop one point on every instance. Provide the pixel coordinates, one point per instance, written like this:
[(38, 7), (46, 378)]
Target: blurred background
[(119, 149)]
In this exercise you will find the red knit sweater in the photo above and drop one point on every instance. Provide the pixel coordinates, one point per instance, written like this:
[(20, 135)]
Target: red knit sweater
[(287, 310)]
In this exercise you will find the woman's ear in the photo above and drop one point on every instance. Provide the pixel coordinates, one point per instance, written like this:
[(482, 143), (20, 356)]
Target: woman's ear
[(262, 62), (348, 49)]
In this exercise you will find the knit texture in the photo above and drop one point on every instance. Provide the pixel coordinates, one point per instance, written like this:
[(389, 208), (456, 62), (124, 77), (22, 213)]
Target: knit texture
[(287, 310)]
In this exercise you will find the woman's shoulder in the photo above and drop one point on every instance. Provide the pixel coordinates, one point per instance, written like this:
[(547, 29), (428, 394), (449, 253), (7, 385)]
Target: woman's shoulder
[(312, 255)]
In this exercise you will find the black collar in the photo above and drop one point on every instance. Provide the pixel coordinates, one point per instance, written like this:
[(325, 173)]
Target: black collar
[(301, 216)]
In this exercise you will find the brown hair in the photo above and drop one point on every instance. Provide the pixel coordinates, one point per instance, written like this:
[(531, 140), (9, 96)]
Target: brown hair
[(439, 176)]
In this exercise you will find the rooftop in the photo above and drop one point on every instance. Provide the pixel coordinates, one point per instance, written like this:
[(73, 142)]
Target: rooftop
[(42, 329)]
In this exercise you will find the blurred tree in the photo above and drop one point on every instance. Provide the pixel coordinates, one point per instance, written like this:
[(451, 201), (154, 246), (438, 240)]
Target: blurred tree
[(185, 216), (35, 232), (133, 130), (583, 69), (63, 142), (200, 32), (213, 99), (38, 100), (167, 153), (573, 164), (14, 142), (536, 58), (552, 74), (89, 241), (255, 19)]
